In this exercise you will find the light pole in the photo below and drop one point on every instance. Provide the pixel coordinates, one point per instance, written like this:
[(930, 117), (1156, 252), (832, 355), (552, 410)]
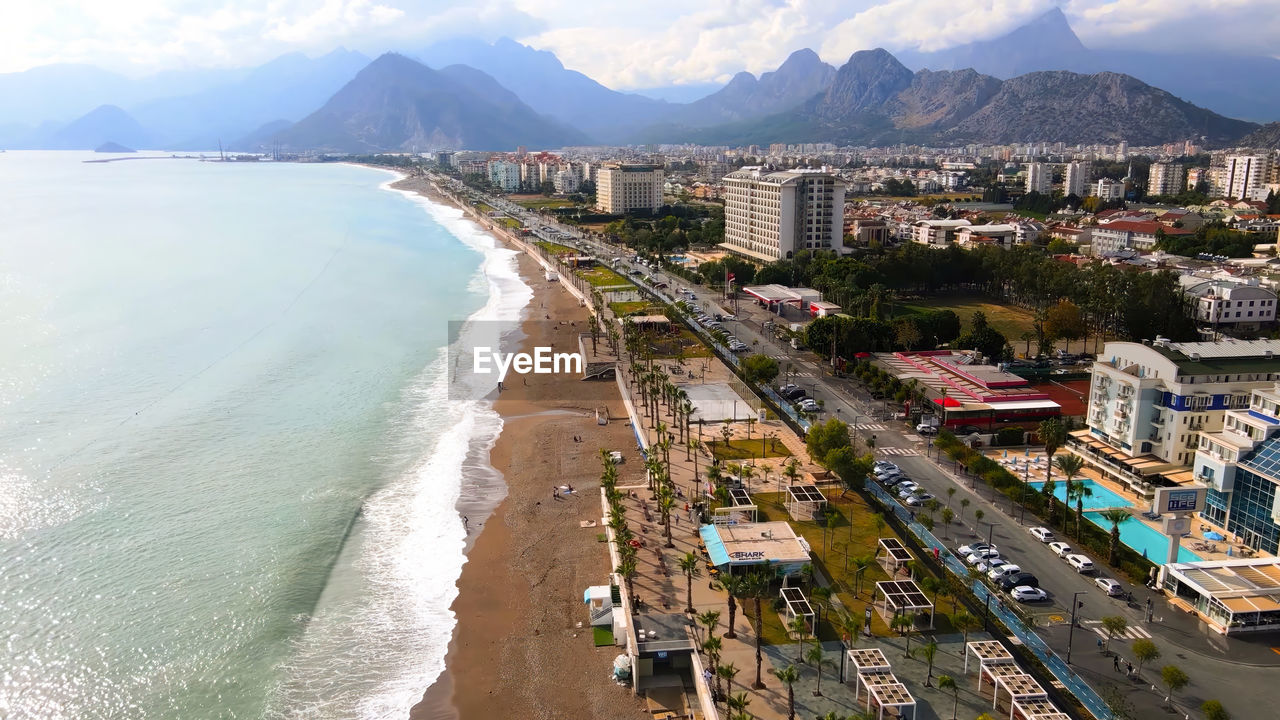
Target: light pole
[(1072, 630), (1022, 516)]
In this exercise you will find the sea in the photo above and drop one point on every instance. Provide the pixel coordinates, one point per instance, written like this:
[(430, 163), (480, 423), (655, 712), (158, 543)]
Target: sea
[(229, 460)]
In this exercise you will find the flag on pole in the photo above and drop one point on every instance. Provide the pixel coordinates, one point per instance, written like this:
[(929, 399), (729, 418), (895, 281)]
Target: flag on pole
[(729, 278)]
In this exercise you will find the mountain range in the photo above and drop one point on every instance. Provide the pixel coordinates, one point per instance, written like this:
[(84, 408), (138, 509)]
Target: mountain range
[(499, 95)]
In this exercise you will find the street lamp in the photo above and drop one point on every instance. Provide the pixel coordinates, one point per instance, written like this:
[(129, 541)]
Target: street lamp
[(1071, 632)]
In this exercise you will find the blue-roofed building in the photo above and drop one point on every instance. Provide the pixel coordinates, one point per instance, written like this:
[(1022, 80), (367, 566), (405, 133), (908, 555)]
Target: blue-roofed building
[(1241, 467), (732, 547)]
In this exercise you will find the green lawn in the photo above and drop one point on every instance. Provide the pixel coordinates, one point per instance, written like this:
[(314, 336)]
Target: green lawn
[(537, 202), (680, 344), (602, 636), (1011, 321), (556, 248), (745, 449), (622, 309), (512, 223), (601, 276), (484, 208)]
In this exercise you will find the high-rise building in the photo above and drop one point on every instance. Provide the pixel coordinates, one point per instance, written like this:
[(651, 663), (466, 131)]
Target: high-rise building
[(1241, 174), (1241, 466), (623, 188), (504, 175), (1039, 178), (771, 215), (1164, 179), (1076, 180)]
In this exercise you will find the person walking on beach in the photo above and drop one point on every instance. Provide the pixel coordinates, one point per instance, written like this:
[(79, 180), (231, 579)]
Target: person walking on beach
[(466, 525)]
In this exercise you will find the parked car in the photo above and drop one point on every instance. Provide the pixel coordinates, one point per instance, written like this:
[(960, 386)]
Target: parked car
[(965, 550), (1019, 580), (1003, 571), (919, 498), (1060, 549), (1026, 594), (1109, 586), (1043, 534), (883, 465), (990, 564), (1080, 563), (730, 316), (927, 429), (981, 555), (894, 479)]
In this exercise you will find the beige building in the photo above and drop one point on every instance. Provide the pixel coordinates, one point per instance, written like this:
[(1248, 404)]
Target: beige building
[(772, 215), (622, 188), (1165, 179)]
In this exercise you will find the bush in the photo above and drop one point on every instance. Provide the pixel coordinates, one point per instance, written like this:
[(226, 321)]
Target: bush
[(1011, 436)]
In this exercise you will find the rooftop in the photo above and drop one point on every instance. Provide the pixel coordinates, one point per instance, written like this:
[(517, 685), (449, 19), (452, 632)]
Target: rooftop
[(1224, 357)]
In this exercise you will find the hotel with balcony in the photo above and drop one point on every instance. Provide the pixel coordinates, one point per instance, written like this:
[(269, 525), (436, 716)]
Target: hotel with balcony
[(1241, 466), (772, 215), (1150, 403)]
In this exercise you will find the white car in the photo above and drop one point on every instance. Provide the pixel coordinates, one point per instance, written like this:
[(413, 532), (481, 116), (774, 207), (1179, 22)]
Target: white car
[(880, 465), (919, 498), (1043, 534), (1026, 593), (927, 429), (1081, 563), (981, 555), (1002, 571), (1111, 587), (966, 550), (1060, 549), (995, 563)]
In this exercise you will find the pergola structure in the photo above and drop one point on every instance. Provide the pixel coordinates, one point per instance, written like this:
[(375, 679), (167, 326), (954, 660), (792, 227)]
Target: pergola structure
[(901, 597), (870, 678), (986, 652), (891, 695), (1019, 687), (804, 501), (798, 606), (741, 508), (995, 671), (1038, 709), (867, 660), (893, 556)]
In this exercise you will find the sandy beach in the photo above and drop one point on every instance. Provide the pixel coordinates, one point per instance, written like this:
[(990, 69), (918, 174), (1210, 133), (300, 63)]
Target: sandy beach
[(522, 646)]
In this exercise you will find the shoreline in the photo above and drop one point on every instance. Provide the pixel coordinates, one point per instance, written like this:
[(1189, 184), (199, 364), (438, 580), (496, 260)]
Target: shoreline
[(517, 643)]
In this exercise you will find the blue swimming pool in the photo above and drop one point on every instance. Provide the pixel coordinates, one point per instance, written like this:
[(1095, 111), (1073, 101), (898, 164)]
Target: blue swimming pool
[(1100, 499), (1141, 537)]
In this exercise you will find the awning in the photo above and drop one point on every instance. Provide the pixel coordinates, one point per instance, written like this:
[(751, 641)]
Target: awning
[(1023, 405), (1265, 603), (1239, 605), (715, 546)]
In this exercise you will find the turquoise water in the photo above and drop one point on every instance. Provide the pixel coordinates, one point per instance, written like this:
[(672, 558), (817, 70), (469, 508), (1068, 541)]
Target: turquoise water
[(1141, 537), (1100, 499), (228, 463)]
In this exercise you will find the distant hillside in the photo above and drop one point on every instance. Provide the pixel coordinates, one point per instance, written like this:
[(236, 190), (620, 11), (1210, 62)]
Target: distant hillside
[(799, 78), (399, 104), (1267, 136), (113, 148), (105, 124), (876, 100)]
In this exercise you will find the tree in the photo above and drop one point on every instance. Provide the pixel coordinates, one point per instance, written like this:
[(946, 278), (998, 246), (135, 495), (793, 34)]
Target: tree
[(903, 624), (1114, 625), (759, 587), (736, 586), (1213, 710), (1173, 678), (1070, 464), (815, 658), (1053, 434), (965, 623), (689, 566), (947, 516), (848, 466), (1145, 651), (712, 647), (728, 672), (800, 628), (709, 620), (759, 369), (982, 337), (789, 675), (738, 703), (928, 651), (825, 437), (946, 682), (1063, 320), (1115, 516), (908, 335)]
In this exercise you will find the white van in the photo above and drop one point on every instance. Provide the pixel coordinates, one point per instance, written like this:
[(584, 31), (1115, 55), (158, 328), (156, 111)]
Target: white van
[(1081, 563)]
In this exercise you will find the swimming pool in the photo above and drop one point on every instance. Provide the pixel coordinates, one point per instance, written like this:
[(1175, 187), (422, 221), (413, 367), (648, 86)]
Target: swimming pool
[(1141, 537), (1101, 499)]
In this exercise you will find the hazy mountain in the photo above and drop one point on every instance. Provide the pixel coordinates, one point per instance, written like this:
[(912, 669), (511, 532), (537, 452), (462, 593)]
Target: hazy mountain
[(1267, 136), (539, 79), (679, 94), (799, 78), (105, 124), (396, 103), (287, 88), (1237, 86), (875, 100)]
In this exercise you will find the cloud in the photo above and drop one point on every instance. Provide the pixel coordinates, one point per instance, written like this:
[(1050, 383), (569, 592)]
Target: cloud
[(928, 24)]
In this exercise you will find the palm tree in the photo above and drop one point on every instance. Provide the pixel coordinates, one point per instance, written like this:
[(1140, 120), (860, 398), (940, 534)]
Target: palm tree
[(666, 503), (693, 446), (758, 587), (928, 651), (965, 623), (849, 626), (728, 672), (712, 647), (1053, 434), (1071, 464), (709, 620), (789, 675), (946, 682), (800, 629), (736, 586), (627, 569), (1115, 516), (738, 703), (814, 657), (689, 566), (903, 624)]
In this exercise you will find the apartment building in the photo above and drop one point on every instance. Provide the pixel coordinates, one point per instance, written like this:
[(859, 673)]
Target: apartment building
[(1165, 179), (1108, 189), (1149, 401), (772, 215), (623, 188), (1076, 179), (1240, 305), (1039, 178), (1130, 235), (1242, 176), (937, 233), (1241, 466), (504, 175)]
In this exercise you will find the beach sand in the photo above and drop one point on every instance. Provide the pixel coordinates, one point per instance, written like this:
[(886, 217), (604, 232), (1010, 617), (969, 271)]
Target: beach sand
[(522, 646)]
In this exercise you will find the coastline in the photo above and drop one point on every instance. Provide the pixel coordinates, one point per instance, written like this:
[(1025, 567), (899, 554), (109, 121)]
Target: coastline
[(521, 638)]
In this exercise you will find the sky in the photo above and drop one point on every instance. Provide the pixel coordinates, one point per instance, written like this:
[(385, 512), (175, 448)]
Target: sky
[(621, 43)]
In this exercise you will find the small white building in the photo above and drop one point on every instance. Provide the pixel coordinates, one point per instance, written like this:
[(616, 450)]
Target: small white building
[(1223, 302), (937, 233)]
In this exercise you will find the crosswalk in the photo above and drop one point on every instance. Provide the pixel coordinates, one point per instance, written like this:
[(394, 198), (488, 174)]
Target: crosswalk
[(899, 451), (868, 426), (1133, 632)]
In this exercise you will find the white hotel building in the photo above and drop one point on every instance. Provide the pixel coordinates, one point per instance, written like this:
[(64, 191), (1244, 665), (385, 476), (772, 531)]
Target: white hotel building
[(771, 215), (1148, 404), (622, 188)]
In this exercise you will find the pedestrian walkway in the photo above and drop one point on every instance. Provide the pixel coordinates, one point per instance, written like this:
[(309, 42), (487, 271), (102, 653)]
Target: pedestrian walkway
[(1133, 632), (898, 451), (869, 426)]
